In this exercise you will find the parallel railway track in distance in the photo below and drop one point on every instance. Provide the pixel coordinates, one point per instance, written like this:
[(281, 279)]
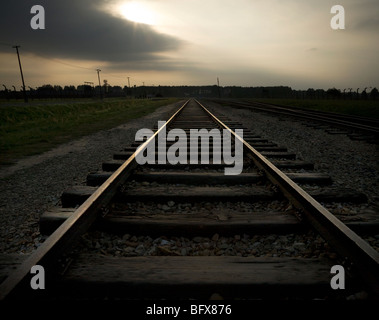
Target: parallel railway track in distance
[(356, 127)]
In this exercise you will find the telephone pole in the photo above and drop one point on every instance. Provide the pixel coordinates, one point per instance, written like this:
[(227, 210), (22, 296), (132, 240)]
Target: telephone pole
[(218, 88), (98, 76), (129, 88), (22, 76)]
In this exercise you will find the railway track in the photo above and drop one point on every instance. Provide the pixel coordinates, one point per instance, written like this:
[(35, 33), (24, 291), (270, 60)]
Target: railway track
[(357, 128), (189, 231)]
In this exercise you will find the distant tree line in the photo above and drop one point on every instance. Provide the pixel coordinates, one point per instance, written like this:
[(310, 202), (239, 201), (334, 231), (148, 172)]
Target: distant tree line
[(88, 90), (334, 93)]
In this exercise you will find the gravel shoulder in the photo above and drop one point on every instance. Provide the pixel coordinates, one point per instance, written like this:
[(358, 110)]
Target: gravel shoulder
[(351, 164), (34, 184)]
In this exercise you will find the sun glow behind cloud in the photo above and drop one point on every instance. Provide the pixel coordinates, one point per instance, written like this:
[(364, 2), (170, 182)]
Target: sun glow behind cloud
[(138, 12)]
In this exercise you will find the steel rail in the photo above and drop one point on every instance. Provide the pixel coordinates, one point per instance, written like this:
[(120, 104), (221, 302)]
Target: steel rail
[(74, 226), (312, 116), (346, 242)]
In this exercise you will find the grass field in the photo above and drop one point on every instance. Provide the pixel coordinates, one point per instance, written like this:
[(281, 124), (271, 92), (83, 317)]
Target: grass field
[(34, 128), (364, 108)]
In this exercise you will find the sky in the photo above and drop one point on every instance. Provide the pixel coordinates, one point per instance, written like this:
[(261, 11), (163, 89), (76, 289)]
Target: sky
[(191, 42)]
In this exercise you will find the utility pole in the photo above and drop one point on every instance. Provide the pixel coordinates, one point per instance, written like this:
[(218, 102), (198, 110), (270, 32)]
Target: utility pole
[(22, 76), (98, 76), (129, 88), (218, 88)]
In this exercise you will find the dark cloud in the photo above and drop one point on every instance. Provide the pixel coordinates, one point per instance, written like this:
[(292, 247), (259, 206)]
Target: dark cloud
[(156, 64), (369, 24), (80, 29), (362, 16)]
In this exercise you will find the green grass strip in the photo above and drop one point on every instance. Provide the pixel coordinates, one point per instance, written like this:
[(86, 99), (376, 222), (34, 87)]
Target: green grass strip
[(32, 129)]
